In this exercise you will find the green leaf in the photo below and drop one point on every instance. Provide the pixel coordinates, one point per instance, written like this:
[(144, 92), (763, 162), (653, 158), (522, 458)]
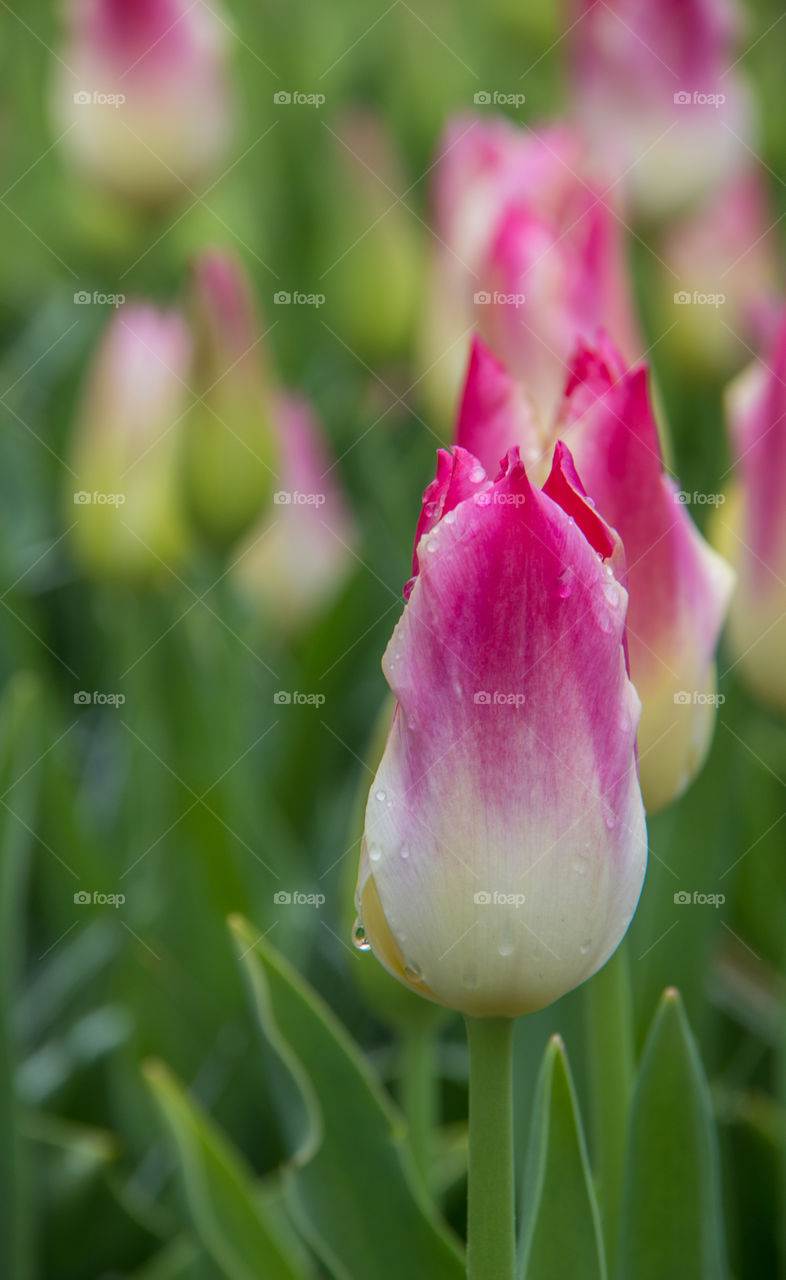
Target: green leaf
[(18, 742), (560, 1233), (351, 1184), (226, 1212), (671, 1210)]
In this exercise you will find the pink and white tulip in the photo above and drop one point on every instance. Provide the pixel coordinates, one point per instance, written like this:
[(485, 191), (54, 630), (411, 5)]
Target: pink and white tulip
[(127, 514), (505, 844), (679, 587), (657, 90), (142, 95), (751, 526), (530, 254)]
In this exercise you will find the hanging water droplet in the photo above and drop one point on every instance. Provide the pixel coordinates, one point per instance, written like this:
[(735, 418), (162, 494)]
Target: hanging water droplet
[(610, 818), (404, 851), (612, 593), (359, 939), (477, 474), (374, 852), (565, 584)]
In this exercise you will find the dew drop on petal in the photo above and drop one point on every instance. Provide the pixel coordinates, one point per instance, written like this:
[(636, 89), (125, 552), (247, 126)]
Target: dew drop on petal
[(565, 584), (413, 971), (449, 517), (585, 946), (374, 852), (359, 939), (404, 851), (610, 818), (580, 866), (411, 722), (612, 593), (470, 979), (432, 544), (604, 622), (477, 474), (380, 795)]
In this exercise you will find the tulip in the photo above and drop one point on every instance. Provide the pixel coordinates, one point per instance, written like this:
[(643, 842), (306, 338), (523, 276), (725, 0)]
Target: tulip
[(231, 449), (372, 249), (127, 518), (679, 587), (142, 97), (505, 845), (301, 551), (656, 90), (724, 260), (530, 254), (751, 526)]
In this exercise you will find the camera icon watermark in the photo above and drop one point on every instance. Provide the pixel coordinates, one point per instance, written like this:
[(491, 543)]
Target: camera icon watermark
[(96, 699), (683, 899), (293, 697), (98, 899), (482, 698), (285, 898), (696, 698), (83, 498), (484, 898)]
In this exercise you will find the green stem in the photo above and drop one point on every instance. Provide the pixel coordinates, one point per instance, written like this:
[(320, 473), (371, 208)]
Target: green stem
[(419, 1096), (609, 1019), (491, 1231)]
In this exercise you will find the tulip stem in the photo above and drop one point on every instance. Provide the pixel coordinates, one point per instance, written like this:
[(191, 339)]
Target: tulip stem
[(609, 1016), (419, 1102), (491, 1230)]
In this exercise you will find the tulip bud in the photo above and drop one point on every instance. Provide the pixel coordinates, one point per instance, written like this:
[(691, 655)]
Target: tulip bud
[(141, 95), (656, 90), (231, 450), (724, 260), (373, 246), (505, 843), (531, 255), (751, 526), (297, 557), (679, 587), (127, 518)]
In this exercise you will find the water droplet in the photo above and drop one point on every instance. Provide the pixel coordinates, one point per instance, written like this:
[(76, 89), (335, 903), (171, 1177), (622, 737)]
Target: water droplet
[(432, 544), (470, 979), (610, 818), (565, 584), (380, 796), (612, 593), (604, 622), (404, 851), (585, 946), (374, 852), (580, 866), (413, 971), (449, 517), (608, 570), (507, 946), (359, 939), (477, 474), (411, 722), (457, 689)]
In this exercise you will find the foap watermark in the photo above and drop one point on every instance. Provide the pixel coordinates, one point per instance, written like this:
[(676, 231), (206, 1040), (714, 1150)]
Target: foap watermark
[(83, 698), (95, 98), (686, 498), (294, 698), (683, 298), (683, 98), (498, 98), (97, 899), (695, 698), (83, 498), (684, 899), (495, 497), (285, 898), (483, 298), (497, 698), (485, 898), (84, 298), (297, 299), (296, 98), (294, 498)]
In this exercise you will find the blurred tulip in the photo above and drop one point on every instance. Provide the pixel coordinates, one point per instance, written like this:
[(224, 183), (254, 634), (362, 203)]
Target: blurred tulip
[(656, 89), (726, 263), (127, 516), (505, 844), (297, 557), (531, 255), (373, 249), (751, 526), (679, 587), (142, 97), (230, 449)]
